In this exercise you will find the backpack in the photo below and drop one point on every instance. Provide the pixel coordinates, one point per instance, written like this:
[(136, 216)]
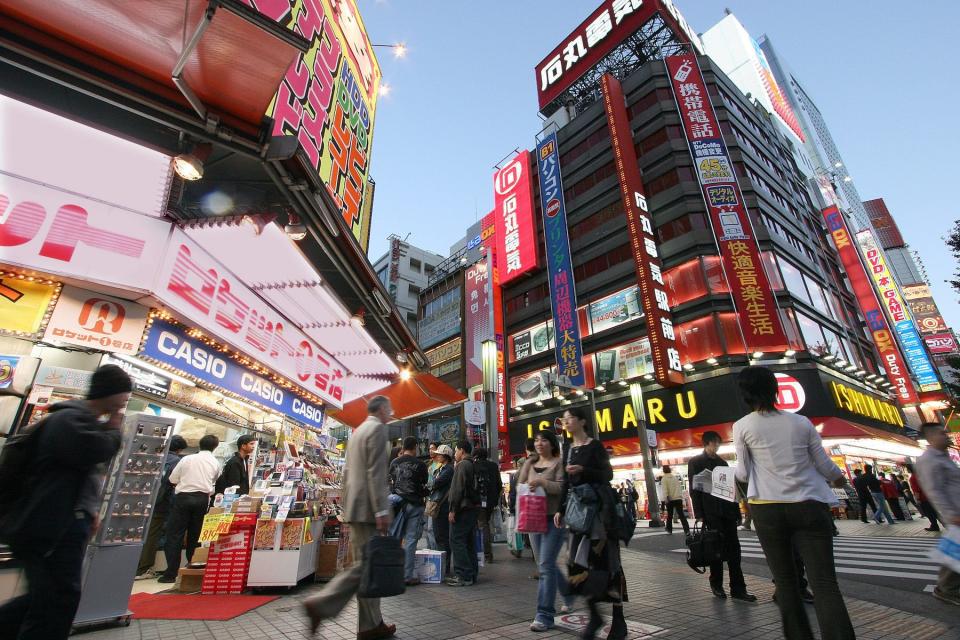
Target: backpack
[(17, 460), (481, 482)]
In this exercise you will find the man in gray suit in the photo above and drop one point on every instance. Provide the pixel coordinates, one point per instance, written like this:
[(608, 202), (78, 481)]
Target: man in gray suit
[(367, 510)]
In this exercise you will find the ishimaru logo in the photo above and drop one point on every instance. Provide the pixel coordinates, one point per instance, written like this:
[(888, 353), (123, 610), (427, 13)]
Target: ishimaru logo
[(509, 177)]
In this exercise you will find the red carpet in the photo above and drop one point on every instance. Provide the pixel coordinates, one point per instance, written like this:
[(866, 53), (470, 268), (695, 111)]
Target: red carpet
[(176, 606)]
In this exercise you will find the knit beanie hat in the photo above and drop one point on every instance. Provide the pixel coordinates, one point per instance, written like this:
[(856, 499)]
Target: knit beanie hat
[(109, 380)]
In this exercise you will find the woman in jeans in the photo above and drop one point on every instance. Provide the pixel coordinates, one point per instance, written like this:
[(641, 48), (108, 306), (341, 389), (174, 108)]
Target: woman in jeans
[(544, 470), (781, 458), (440, 487)]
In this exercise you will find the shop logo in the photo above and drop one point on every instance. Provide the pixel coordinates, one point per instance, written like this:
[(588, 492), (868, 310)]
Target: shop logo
[(509, 177), (790, 394), (101, 316), (8, 367), (553, 207)]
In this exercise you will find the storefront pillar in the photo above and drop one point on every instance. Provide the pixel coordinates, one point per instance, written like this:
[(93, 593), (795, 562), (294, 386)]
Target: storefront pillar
[(636, 399)]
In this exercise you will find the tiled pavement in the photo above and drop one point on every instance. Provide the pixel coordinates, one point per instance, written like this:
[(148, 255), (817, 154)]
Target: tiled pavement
[(667, 600)]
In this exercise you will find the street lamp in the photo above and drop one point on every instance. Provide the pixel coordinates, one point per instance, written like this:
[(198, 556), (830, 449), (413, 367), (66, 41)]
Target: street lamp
[(488, 355), (653, 504)]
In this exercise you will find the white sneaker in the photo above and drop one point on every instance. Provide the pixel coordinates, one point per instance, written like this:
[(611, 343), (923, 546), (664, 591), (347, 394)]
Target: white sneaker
[(146, 575), (536, 625)]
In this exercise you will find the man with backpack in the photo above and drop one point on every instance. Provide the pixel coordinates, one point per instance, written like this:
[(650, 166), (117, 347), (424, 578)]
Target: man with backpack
[(408, 480), (491, 488), (464, 500), (50, 481), (160, 511)]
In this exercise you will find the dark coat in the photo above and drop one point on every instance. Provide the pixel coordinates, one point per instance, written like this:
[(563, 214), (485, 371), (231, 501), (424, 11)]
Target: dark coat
[(234, 474), (706, 506)]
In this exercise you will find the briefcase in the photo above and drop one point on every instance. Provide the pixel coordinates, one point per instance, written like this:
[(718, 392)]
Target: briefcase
[(383, 568), (704, 548)]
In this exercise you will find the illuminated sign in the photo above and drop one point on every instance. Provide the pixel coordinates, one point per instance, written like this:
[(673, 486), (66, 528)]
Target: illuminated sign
[(790, 394), (925, 312), (445, 352), (479, 319), (780, 105), (890, 357), (855, 401), (96, 321), (898, 312), (752, 294), (24, 304), (941, 343), (513, 214), (643, 241)]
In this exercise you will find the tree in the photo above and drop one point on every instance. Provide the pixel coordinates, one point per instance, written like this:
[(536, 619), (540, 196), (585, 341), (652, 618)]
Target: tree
[(953, 241)]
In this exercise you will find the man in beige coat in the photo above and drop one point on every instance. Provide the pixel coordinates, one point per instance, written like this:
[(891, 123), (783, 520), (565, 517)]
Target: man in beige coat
[(367, 510)]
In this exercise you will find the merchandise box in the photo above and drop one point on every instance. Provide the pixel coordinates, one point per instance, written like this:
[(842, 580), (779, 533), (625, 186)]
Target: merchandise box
[(430, 565), (190, 580)]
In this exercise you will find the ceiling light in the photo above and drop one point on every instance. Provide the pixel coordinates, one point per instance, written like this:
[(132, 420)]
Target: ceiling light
[(827, 357), (295, 229), (539, 403), (405, 374), (711, 360), (789, 353), (688, 366), (189, 166), (648, 376), (757, 355)]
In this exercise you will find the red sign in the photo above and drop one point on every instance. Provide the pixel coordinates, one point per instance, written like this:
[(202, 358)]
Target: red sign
[(941, 343), (479, 319), (606, 28), (513, 213), (739, 252), (646, 258), (790, 394), (877, 324), (96, 321)]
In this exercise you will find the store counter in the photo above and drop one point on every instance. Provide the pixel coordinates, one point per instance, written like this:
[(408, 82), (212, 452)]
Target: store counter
[(284, 552)]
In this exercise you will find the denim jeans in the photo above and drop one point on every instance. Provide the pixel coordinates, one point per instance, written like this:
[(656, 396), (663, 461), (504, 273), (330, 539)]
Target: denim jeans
[(882, 509), (547, 548), (412, 531), (463, 540)]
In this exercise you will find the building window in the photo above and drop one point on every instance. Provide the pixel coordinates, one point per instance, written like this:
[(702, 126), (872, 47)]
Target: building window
[(794, 281), (415, 265), (413, 289), (685, 282), (428, 269)]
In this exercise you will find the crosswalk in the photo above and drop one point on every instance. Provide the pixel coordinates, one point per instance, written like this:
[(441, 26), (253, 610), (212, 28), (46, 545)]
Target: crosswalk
[(890, 557)]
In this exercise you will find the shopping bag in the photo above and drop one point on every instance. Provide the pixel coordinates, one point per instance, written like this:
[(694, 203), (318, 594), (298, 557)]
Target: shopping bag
[(531, 509), (498, 525), (514, 539), (947, 553)]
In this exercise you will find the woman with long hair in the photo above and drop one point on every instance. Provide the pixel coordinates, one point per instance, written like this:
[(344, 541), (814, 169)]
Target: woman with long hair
[(594, 568)]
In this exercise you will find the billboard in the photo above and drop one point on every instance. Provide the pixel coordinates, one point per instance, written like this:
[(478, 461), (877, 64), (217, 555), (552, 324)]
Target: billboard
[(329, 97), (516, 235), (925, 312), (623, 362), (739, 252), (479, 319), (898, 312), (563, 294), (441, 321), (643, 241), (96, 321), (614, 310), (774, 93), (24, 304), (883, 223), (890, 357), (941, 343), (606, 28)]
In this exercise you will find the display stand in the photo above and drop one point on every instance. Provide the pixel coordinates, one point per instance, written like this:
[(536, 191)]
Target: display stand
[(285, 552), (228, 562)]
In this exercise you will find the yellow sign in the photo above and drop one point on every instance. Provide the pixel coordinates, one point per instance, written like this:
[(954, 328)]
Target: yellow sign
[(24, 303), (854, 401), (211, 527)]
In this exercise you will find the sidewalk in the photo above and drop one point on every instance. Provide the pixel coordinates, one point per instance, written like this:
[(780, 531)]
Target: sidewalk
[(667, 600)]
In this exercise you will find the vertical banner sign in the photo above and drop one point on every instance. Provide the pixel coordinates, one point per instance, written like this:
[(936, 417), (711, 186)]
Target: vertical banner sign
[(513, 214), (898, 313), (479, 319), (876, 322), (740, 255), (646, 259), (497, 302), (925, 312), (563, 295)]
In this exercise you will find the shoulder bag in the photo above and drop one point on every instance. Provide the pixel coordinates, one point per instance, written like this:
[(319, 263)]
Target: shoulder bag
[(383, 568), (704, 548)]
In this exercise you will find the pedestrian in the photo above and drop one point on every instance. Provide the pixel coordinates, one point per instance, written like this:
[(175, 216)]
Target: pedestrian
[(781, 458), (673, 496), (440, 490), (907, 494), (408, 479), (544, 470), (194, 479), (432, 467), (236, 470), (161, 509), (940, 481), (594, 567), (464, 499), (529, 449), (633, 498), (927, 510), (48, 526), (491, 488), (876, 492), (366, 508), (891, 494), (719, 515), (865, 498)]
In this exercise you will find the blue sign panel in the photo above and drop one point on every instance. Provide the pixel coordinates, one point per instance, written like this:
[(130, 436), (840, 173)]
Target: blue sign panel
[(171, 345), (563, 295), (916, 354)]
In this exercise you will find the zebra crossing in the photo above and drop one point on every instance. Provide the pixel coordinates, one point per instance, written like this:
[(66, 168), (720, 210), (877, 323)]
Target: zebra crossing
[(889, 557)]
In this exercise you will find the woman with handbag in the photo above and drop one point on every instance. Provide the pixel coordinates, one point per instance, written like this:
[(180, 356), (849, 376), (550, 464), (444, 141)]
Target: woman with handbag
[(438, 507), (588, 505), (544, 470)]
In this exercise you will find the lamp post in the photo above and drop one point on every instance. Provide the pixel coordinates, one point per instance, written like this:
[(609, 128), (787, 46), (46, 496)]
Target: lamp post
[(636, 399), (489, 363)]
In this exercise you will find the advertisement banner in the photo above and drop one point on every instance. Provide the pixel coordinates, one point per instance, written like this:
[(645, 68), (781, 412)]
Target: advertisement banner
[(643, 241), (890, 357), (479, 319), (513, 217), (497, 297), (925, 312), (445, 352), (775, 94), (24, 304), (624, 362), (530, 387), (90, 319), (170, 344), (530, 342), (614, 310), (941, 343), (144, 380), (898, 313), (563, 295), (441, 323), (740, 255), (8, 368), (66, 378)]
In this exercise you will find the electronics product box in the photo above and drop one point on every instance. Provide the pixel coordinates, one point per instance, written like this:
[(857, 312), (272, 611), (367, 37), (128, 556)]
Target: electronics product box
[(190, 580), (247, 504), (430, 565)]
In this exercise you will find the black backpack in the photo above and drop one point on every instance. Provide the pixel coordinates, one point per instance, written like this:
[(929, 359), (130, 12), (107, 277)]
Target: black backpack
[(17, 462)]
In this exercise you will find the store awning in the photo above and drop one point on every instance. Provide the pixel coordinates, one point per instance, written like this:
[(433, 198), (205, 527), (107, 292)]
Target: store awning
[(840, 428), (420, 394)]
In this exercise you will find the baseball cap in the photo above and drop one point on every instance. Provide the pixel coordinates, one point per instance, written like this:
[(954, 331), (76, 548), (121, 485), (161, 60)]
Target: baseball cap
[(444, 450)]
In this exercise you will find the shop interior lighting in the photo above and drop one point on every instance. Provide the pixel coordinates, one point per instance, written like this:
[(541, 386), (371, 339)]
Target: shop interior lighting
[(712, 360), (294, 228), (405, 374), (789, 353), (189, 166)]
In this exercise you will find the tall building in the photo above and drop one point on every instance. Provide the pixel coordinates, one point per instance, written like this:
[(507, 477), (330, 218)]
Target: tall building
[(404, 271), (901, 259)]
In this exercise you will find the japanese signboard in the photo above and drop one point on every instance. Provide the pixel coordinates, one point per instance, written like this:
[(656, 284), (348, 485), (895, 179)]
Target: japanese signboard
[(8, 367), (877, 325), (643, 241), (605, 29), (530, 342), (624, 362), (445, 352), (96, 321), (442, 322), (924, 309), (329, 97), (144, 381), (752, 294), (941, 343), (563, 295), (24, 303), (497, 297), (614, 310), (479, 319), (513, 215), (898, 312)]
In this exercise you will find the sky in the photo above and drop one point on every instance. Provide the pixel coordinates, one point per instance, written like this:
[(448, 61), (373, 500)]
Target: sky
[(464, 97)]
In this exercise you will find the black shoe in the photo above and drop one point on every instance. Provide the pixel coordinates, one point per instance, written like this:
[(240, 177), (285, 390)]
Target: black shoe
[(745, 597), (167, 579), (932, 529), (719, 592), (594, 625), (618, 628)]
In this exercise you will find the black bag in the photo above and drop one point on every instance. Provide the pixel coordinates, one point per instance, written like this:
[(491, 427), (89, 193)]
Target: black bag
[(17, 460), (626, 522), (704, 548), (383, 568), (581, 509)]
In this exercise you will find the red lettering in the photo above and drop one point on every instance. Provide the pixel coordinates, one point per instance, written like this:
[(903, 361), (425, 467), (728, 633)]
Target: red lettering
[(231, 311), (70, 228), (192, 283), (22, 224), (258, 331)]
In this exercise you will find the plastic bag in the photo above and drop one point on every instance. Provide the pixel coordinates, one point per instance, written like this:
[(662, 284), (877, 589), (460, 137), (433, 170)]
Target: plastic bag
[(947, 553), (514, 539), (531, 509)]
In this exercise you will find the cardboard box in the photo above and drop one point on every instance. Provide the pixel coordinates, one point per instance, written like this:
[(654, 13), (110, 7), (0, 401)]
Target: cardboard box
[(190, 580), (326, 561), (247, 504), (430, 565)]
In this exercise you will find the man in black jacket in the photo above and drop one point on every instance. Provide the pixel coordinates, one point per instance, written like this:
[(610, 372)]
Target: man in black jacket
[(464, 503), (488, 478), (863, 494), (719, 515), (158, 520), (408, 479), (53, 522), (236, 470)]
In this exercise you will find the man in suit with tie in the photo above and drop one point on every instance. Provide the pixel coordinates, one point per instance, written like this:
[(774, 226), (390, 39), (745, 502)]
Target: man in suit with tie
[(367, 510)]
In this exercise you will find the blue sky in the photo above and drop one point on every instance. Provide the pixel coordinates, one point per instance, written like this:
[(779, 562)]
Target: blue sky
[(465, 96)]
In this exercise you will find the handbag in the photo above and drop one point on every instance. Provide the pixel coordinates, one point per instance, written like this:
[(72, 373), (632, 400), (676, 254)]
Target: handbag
[(531, 509), (704, 548), (581, 509), (383, 568), (626, 522)]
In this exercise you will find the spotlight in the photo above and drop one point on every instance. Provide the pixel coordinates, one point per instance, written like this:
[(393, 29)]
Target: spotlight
[(402, 357), (404, 374), (579, 392), (600, 388), (357, 319), (539, 403), (688, 366), (189, 166), (648, 376), (827, 357), (623, 383), (258, 222), (789, 353), (757, 355), (711, 360), (295, 229)]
